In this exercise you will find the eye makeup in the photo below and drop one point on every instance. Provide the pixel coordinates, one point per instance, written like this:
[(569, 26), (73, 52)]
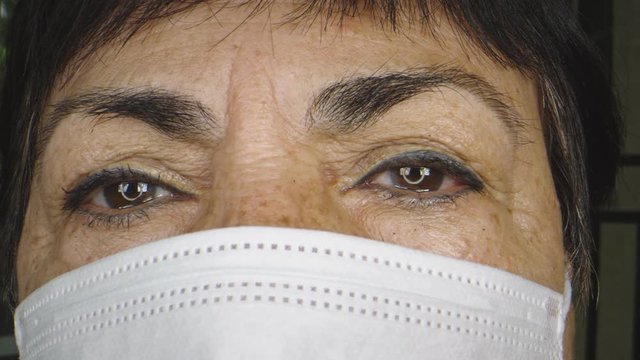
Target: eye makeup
[(460, 179)]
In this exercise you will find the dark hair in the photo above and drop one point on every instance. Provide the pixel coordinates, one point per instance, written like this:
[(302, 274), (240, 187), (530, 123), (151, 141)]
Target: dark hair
[(540, 38)]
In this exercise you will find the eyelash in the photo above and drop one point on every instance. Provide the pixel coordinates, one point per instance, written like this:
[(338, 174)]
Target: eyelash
[(422, 158), (78, 196), (115, 221)]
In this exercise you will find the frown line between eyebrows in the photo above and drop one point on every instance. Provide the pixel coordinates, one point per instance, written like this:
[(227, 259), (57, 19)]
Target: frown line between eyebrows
[(179, 116), (358, 102)]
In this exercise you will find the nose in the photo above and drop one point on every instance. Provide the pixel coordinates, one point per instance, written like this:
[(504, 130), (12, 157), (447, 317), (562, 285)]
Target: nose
[(276, 191), (272, 184)]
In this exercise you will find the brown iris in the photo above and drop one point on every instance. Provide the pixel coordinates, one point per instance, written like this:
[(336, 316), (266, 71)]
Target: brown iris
[(417, 178), (127, 194)]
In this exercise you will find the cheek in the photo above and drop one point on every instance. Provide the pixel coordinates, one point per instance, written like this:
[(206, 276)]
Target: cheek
[(538, 220), (37, 258), (470, 229), (474, 229), (53, 243)]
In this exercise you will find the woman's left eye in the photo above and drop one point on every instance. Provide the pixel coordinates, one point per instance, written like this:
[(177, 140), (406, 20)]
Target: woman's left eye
[(421, 172)]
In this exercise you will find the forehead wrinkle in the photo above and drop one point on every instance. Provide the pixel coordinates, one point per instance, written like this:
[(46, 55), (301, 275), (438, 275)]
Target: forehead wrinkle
[(125, 22)]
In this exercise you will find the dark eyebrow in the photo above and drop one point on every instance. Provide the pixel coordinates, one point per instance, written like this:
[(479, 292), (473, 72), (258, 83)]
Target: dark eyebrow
[(178, 116), (358, 102)]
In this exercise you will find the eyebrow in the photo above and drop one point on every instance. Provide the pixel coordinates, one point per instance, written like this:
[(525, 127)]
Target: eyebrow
[(344, 106), (178, 116), (359, 102)]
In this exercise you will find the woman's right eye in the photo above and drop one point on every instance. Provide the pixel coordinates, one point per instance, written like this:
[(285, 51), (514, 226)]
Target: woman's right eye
[(116, 196), (128, 194)]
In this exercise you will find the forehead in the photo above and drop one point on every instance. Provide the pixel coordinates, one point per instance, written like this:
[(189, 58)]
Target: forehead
[(212, 42)]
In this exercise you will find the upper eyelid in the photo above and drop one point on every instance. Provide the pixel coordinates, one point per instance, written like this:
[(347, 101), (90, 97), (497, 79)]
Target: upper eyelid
[(112, 174)]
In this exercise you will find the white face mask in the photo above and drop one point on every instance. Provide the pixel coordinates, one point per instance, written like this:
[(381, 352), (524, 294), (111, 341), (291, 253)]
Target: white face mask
[(275, 293)]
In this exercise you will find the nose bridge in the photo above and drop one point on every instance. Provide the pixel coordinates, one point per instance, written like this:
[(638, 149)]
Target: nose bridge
[(270, 185), (275, 201), (264, 174)]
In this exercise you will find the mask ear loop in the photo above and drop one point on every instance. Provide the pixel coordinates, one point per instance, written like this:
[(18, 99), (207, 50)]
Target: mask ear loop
[(566, 301), (566, 306)]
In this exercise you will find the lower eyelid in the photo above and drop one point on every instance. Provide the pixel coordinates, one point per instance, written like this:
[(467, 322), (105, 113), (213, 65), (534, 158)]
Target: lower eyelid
[(122, 218), (113, 221), (421, 201)]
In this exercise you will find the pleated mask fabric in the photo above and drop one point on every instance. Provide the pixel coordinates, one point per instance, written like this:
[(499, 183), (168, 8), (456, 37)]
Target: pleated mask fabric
[(280, 293)]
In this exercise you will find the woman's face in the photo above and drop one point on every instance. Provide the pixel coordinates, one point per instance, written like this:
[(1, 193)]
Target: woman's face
[(202, 122)]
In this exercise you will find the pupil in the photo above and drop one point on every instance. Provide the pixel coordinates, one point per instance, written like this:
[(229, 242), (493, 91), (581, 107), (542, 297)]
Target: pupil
[(414, 174), (126, 194), (130, 191), (418, 178)]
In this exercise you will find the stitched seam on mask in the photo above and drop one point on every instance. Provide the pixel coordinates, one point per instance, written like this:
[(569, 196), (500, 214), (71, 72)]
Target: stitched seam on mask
[(211, 249), (141, 301), (284, 300), (299, 287)]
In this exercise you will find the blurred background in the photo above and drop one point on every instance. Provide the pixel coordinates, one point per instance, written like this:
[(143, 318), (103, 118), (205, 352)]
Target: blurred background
[(609, 329)]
